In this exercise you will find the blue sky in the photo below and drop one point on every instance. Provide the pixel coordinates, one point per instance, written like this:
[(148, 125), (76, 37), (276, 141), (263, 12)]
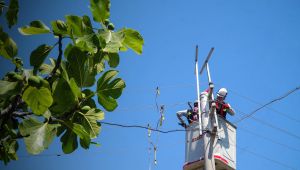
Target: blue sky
[(256, 57)]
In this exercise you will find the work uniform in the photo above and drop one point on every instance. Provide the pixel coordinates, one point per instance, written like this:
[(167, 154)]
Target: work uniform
[(191, 115), (223, 108)]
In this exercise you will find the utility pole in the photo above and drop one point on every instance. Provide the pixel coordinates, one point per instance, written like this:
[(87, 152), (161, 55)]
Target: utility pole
[(202, 151), (204, 118)]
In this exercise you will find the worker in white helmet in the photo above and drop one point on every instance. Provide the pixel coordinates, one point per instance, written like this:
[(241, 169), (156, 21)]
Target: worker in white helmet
[(190, 114), (222, 108)]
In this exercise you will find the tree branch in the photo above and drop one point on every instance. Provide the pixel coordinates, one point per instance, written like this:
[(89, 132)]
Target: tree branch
[(21, 114), (59, 58), (11, 107)]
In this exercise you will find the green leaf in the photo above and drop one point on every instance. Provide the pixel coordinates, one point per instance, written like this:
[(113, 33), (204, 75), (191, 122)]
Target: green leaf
[(63, 96), (109, 90), (80, 67), (87, 25), (40, 134), (12, 13), (59, 27), (89, 121), (75, 89), (114, 59), (114, 40), (7, 88), (8, 150), (39, 100), (12, 149), (74, 25), (69, 139), (100, 10), (8, 47), (133, 40), (88, 43), (69, 142), (38, 55), (78, 26), (99, 61), (35, 27)]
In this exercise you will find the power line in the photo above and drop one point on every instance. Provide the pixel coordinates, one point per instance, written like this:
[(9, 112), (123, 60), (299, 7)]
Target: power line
[(142, 127), (269, 108), (261, 156), (269, 125), (269, 139), (272, 101), (267, 158)]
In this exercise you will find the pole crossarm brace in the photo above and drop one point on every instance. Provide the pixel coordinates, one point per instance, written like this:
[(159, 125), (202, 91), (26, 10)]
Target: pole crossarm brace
[(207, 59)]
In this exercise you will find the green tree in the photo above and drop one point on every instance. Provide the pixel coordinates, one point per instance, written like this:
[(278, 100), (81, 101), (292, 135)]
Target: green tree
[(56, 100)]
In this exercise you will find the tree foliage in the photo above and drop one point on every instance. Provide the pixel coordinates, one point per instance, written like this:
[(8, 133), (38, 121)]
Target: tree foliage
[(57, 99)]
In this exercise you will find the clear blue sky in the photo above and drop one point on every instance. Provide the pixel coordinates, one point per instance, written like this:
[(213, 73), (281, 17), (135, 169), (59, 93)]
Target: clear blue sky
[(257, 57)]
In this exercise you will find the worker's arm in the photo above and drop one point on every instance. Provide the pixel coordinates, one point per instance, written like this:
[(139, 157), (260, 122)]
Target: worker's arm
[(179, 116), (230, 110)]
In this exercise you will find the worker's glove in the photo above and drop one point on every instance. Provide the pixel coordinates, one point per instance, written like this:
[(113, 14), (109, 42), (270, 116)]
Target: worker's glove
[(183, 125)]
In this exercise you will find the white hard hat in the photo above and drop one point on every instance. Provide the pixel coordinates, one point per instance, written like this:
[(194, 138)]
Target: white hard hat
[(222, 92)]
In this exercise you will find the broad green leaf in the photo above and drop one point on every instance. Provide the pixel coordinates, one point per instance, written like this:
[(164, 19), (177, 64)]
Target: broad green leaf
[(39, 100), (8, 47), (88, 43), (87, 25), (99, 61), (114, 59), (69, 142), (64, 73), (40, 134), (69, 139), (7, 88), (78, 26), (47, 68), (89, 121), (108, 90), (8, 92), (100, 9), (8, 150), (63, 96), (59, 27), (133, 40), (74, 25), (114, 40), (75, 89), (35, 27), (12, 13), (80, 67), (38, 55), (12, 149)]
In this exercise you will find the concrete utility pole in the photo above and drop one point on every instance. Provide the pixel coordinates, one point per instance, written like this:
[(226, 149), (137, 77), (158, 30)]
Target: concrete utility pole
[(208, 139)]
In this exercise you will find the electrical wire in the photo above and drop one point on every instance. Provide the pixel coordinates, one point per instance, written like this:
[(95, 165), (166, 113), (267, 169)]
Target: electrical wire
[(261, 156), (267, 158), (269, 125), (269, 139), (142, 127), (269, 108), (268, 103)]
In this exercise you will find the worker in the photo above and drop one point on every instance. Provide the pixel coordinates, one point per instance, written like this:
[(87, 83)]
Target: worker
[(222, 108), (190, 114)]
